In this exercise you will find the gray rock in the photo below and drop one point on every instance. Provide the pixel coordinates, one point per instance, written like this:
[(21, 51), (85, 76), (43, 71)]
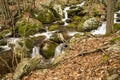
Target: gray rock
[(90, 24)]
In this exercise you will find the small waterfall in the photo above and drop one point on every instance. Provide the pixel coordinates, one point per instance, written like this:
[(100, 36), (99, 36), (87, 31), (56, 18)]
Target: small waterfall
[(65, 15), (35, 51), (115, 17), (101, 29), (59, 49)]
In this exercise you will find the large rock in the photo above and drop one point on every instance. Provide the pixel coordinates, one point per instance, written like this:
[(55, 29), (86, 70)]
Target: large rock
[(28, 26), (44, 15), (48, 49), (89, 24), (47, 10), (57, 9)]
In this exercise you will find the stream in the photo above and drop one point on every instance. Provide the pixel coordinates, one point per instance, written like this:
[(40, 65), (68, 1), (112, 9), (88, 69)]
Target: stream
[(101, 30)]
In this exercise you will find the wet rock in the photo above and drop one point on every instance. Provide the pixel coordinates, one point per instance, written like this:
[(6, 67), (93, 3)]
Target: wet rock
[(48, 49), (28, 26)]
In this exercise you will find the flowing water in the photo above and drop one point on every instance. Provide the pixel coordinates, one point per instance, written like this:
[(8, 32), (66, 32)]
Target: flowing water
[(66, 13), (101, 29), (35, 51)]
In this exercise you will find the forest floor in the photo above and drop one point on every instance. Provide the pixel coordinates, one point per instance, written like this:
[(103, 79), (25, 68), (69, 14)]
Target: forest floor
[(93, 66)]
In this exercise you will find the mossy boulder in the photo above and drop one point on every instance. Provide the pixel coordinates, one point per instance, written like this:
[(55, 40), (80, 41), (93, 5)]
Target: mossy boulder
[(28, 26), (53, 27), (56, 9), (116, 26), (48, 49), (44, 15), (88, 25)]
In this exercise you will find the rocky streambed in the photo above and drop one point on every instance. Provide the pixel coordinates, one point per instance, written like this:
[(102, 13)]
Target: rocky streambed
[(47, 32)]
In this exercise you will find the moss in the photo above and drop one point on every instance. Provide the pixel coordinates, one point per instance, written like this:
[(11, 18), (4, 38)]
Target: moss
[(76, 18), (26, 28), (48, 48), (116, 27), (45, 15), (52, 27), (117, 6), (113, 40), (71, 25), (77, 35), (81, 23)]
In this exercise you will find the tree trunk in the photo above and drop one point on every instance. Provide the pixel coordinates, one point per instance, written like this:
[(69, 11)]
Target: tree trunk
[(110, 17)]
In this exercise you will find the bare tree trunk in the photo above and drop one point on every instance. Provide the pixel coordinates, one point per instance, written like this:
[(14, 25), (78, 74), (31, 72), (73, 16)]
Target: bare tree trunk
[(110, 17)]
